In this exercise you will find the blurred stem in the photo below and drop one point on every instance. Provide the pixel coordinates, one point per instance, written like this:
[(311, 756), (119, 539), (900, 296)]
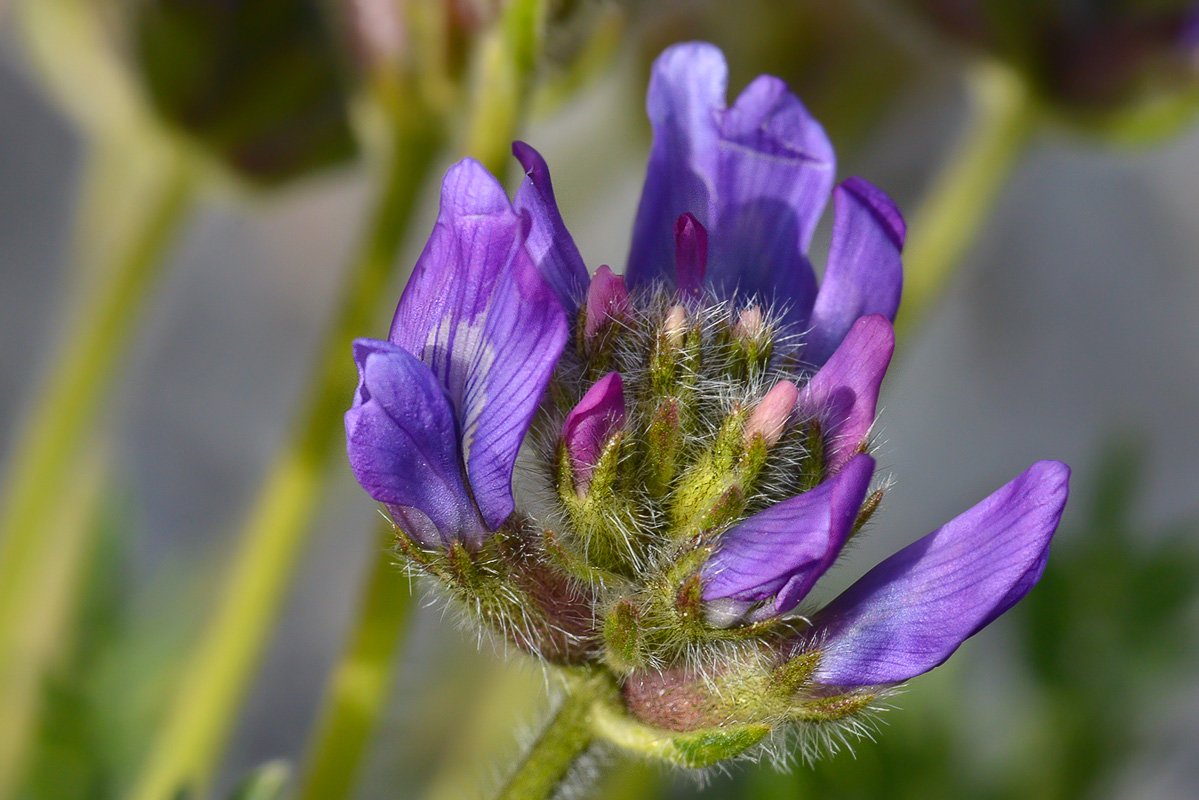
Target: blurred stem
[(566, 737), (507, 58), (961, 197), (356, 693), (197, 725), (144, 196)]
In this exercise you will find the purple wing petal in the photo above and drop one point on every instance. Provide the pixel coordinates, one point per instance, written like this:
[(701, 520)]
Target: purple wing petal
[(864, 273), (403, 445), (487, 323), (782, 551), (908, 614), (591, 423), (843, 395), (523, 336), (686, 95), (776, 169), (549, 243)]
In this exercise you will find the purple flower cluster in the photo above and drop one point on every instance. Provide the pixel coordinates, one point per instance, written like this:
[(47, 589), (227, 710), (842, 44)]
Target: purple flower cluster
[(746, 490)]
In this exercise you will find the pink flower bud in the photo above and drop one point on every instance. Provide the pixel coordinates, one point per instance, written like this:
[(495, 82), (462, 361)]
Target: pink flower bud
[(751, 324), (769, 419), (591, 424), (674, 327), (607, 299)]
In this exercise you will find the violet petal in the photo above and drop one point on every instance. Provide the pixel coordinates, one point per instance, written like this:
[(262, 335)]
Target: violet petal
[(864, 273), (912, 611), (843, 394), (549, 242), (402, 441), (691, 255), (782, 551)]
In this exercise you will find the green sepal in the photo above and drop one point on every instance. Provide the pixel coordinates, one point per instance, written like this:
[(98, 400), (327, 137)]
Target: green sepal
[(831, 709), (695, 749), (712, 491), (623, 638), (866, 511), (813, 469), (794, 672), (602, 514), (663, 443)]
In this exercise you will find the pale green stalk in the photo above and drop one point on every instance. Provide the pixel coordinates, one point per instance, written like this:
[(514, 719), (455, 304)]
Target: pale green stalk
[(507, 58), (357, 691), (198, 724), (565, 738), (143, 196), (960, 199)]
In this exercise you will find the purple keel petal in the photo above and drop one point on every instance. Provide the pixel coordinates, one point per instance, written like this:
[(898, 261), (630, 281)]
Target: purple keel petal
[(590, 425), (691, 255), (864, 273), (843, 395), (549, 243), (908, 614), (782, 551), (403, 445), (686, 94), (483, 318)]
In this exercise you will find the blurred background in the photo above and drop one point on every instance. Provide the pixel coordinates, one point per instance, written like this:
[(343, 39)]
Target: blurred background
[(1066, 327)]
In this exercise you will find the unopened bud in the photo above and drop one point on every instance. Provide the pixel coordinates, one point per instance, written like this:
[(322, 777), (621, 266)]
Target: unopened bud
[(691, 255), (607, 301), (591, 425), (770, 418)]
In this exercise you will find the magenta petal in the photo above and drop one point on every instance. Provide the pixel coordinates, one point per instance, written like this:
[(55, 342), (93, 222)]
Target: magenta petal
[(691, 255), (549, 243), (487, 323), (782, 551), (607, 299), (843, 394), (591, 423), (402, 441), (865, 272), (911, 612)]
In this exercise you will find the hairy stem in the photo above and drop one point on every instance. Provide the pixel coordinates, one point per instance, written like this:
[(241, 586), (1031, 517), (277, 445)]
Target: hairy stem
[(272, 538), (145, 197), (564, 739), (355, 696), (960, 199)]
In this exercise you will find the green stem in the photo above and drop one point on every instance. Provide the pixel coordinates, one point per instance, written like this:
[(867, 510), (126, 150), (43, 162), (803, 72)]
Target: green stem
[(354, 699), (34, 540), (959, 201), (272, 539), (507, 58), (564, 739)]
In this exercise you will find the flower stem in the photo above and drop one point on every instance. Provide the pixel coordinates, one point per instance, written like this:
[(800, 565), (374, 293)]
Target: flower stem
[(507, 59), (354, 699), (963, 193), (36, 538), (563, 740), (271, 540)]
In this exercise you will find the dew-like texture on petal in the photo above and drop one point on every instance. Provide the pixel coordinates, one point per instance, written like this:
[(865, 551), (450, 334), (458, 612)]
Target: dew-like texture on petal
[(864, 274), (402, 441), (490, 327), (843, 395), (757, 175), (549, 243), (782, 551), (591, 423), (607, 299), (912, 611)]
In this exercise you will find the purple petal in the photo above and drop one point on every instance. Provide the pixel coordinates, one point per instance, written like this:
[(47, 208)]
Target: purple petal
[(487, 323), (607, 299), (908, 614), (591, 423), (403, 445), (549, 243), (782, 551), (756, 175), (865, 272), (843, 395), (686, 94), (691, 255)]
